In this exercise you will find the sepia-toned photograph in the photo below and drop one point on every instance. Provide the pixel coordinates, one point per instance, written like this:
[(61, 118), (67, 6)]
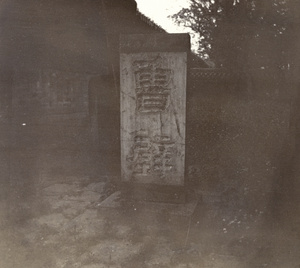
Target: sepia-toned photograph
[(149, 134)]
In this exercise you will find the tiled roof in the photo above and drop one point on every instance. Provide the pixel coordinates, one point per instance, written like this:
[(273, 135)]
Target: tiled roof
[(148, 21)]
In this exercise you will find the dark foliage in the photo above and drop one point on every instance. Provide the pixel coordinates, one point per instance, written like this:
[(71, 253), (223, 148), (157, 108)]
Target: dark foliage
[(242, 33)]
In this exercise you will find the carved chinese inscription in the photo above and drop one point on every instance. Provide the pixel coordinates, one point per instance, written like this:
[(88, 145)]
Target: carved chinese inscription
[(152, 83), (163, 157), (152, 156), (139, 160), (153, 103)]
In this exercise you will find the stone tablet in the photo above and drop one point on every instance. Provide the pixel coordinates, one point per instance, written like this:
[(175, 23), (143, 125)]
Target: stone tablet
[(153, 108)]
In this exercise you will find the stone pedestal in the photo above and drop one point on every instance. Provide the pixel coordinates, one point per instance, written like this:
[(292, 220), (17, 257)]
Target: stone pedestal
[(153, 108)]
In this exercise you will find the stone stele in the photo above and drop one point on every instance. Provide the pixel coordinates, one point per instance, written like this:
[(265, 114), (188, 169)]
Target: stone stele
[(153, 108)]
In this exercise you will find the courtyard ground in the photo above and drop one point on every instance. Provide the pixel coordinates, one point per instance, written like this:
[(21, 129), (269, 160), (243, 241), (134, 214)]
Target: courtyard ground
[(61, 223)]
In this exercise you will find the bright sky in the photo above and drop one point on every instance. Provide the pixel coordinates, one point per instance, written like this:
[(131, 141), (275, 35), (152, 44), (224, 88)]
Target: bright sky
[(159, 10)]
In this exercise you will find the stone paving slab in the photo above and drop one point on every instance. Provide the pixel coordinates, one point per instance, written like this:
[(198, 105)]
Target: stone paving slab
[(186, 210), (112, 201)]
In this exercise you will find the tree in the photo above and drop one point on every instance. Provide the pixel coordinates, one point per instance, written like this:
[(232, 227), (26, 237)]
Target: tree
[(240, 33)]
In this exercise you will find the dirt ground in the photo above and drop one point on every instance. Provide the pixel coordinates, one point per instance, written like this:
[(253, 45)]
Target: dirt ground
[(61, 224)]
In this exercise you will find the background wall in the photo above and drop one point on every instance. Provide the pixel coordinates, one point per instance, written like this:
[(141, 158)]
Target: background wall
[(240, 138)]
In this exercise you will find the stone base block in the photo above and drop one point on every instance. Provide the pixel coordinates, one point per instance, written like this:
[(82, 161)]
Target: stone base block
[(154, 193), (118, 200)]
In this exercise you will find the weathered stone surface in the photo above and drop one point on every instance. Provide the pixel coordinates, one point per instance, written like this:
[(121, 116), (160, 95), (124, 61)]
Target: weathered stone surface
[(59, 189), (71, 198), (154, 192), (182, 210), (56, 221), (113, 201), (96, 187), (88, 224), (153, 104), (90, 196), (100, 265), (112, 251), (162, 256)]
